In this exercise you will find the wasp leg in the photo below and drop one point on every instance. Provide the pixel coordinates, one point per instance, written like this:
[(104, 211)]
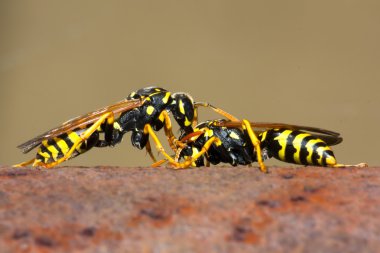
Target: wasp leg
[(149, 151), (338, 165), (23, 164), (189, 162), (332, 163), (256, 143), (84, 136), (173, 141), (188, 138), (158, 163), (148, 130), (168, 130)]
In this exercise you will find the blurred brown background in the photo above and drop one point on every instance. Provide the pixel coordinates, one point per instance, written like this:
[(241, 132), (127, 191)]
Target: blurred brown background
[(305, 62)]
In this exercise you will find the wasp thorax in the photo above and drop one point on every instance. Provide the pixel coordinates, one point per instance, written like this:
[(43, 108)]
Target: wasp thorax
[(183, 109), (146, 92)]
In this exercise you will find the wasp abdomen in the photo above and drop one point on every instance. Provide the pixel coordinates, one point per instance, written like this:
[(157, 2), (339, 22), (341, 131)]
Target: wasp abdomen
[(298, 147), (53, 149)]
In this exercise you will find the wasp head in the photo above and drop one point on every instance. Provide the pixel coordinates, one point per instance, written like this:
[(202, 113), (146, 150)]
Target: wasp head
[(183, 111)]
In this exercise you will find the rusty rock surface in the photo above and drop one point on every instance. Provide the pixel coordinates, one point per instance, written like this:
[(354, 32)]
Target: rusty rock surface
[(216, 209)]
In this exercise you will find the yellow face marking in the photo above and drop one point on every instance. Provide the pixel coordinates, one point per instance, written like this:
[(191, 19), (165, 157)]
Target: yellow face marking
[(181, 108), (282, 141), (166, 98), (150, 110), (297, 145), (234, 135), (187, 122)]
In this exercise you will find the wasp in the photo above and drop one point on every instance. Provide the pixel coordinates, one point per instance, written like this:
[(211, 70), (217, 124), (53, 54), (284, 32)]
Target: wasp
[(235, 142), (142, 113)]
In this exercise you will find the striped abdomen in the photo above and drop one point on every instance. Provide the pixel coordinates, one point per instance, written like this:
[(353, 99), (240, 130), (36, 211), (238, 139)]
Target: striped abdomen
[(297, 147), (53, 149)]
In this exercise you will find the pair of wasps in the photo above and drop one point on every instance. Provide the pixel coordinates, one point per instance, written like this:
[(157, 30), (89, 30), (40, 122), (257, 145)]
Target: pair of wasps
[(227, 140)]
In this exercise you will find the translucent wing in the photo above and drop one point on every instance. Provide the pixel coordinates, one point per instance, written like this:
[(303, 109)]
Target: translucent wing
[(81, 122)]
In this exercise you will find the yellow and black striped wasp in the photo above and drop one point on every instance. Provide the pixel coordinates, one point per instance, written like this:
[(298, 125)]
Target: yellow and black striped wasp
[(235, 142), (141, 113)]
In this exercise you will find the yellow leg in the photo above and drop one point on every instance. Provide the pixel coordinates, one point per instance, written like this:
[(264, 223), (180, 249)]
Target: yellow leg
[(188, 162), (193, 158), (256, 144), (177, 165), (149, 130), (188, 138), (338, 165), (173, 141), (149, 151), (23, 164), (158, 163)]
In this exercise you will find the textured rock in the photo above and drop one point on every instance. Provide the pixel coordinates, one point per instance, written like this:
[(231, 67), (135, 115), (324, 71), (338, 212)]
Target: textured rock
[(216, 209)]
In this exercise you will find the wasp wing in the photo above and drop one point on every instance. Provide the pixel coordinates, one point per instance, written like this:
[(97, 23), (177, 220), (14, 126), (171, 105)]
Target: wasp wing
[(328, 136), (81, 122)]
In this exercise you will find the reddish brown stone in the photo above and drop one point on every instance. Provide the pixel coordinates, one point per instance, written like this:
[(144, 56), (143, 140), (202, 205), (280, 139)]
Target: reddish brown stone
[(216, 209)]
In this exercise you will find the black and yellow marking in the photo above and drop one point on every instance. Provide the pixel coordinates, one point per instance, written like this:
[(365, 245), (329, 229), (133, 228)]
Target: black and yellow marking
[(53, 149), (298, 147)]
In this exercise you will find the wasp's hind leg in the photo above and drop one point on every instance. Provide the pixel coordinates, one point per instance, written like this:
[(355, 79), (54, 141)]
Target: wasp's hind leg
[(24, 164), (339, 165), (256, 144)]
